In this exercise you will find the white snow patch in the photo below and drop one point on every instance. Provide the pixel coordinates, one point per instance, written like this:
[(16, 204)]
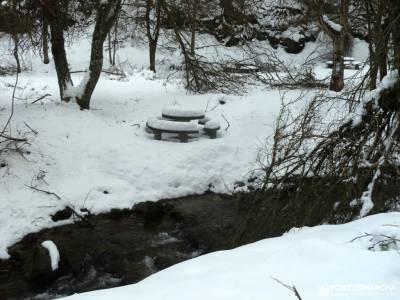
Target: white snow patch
[(335, 26), (212, 124), (53, 252), (373, 96)]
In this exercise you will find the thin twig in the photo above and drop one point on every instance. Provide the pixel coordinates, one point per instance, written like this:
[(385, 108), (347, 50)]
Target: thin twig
[(83, 219), (33, 130), (41, 98), (10, 138), (229, 125), (291, 288), (12, 106)]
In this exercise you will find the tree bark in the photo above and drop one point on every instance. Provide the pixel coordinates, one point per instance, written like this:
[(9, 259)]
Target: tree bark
[(395, 25), (60, 57), (106, 16), (152, 55), (193, 26), (106, 13), (338, 39), (337, 77), (153, 36), (45, 40), (15, 39)]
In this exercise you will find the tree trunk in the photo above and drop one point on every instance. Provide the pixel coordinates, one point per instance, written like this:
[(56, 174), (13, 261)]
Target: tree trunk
[(373, 70), (153, 36), (105, 18), (60, 57), (337, 77), (106, 13), (193, 26), (383, 40), (339, 38), (15, 39), (152, 54), (395, 13), (15, 52), (45, 40), (110, 56)]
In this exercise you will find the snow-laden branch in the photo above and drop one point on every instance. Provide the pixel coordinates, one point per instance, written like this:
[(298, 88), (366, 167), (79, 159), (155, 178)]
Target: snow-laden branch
[(332, 25)]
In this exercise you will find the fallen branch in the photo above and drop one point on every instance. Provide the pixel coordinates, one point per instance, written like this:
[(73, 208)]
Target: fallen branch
[(41, 98), (35, 132), (229, 125), (290, 288), (103, 71), (10, 138)]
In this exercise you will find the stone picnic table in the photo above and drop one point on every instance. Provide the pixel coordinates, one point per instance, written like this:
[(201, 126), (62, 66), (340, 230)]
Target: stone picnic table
[(178, 120)]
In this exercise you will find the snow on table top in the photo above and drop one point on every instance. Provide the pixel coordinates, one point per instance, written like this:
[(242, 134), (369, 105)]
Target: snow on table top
[(320, 262), (182, 112), (172, 125)]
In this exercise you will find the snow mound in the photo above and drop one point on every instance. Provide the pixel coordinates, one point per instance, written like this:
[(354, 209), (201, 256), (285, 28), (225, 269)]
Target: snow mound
[(171, 125), (53, 252), (322, 262), (182, 112), (212, 124)]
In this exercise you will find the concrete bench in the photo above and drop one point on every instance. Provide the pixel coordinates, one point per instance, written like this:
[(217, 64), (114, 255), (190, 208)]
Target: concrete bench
[(183, 129), (241, 68), (349, 63), (211, 127)]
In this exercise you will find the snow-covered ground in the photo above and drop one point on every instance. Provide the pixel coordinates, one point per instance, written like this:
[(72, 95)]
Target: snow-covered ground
[(83, 154), (322, 262), (103, 158)]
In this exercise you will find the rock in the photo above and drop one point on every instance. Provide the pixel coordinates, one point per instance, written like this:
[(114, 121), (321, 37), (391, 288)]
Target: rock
[(37, 265), (63, 214), (292, 46), (232, 42), (152, 212)]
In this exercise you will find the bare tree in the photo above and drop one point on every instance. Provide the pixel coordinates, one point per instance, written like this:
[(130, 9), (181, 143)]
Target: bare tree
[(153, 25), (106, 13), (45, 37), (358, 148), (377, 20), (340, 36)]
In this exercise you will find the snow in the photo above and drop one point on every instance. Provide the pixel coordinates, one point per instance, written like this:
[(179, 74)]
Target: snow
[(53, 253), (80, 154), (336, 27), (373, 96), (293, 33), (332, 262), (182, 112), (171, 125), (212, 124), (79, 90)]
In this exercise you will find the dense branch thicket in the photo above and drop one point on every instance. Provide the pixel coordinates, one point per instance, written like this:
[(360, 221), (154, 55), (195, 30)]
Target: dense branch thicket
[(356, 153)]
